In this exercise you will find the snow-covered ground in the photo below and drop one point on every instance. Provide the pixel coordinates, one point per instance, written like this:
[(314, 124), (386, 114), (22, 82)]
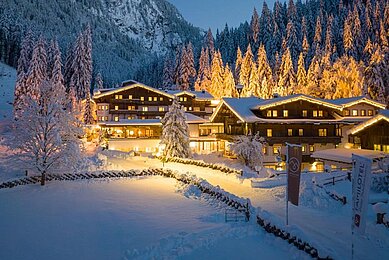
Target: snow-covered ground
[(141, 218), (319, 219)]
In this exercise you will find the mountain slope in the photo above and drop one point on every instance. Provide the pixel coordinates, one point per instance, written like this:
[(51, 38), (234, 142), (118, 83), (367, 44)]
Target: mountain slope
[(124, 31)]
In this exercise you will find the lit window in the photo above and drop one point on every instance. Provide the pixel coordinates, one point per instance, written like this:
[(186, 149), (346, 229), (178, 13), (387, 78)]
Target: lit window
[(106, 118), (268, 113), (363, 112), (286, 113), (311, 148), (116, 119), (116, 107), (130, 97), (269, 132), (314, 113), (145, 109), (118, 96), (305, 113), (346, 112), (99, 108), (190, 108), (130, 117), (264, 150), (150, 98), (106, 107), (276, 149), (290, 132), (185, 99), (181, 99), (131, 108), (377, 147), (161, 109), (322, 132), (142, 98), (185, 108), (370, 112), (320, 113), (155, 98), (196, 109), (301, 132), (303, 148), (274, 113), (161, 99), (355, 112)]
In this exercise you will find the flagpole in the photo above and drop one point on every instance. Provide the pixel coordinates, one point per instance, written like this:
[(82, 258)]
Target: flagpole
[(287, 184)]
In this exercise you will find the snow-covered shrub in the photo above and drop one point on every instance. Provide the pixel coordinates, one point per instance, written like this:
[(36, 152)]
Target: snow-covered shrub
[(248, 149), (380, 183)]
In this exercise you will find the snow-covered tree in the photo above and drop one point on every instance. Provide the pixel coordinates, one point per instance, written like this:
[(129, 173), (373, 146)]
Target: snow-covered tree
[(99, 81), (301, 76), (186, 68), (168, 72), (287, 76), (238, 64), (209, 42), (175, 132), (46, 134), (245, 71), (265, 75), (204, 74), (254, 28), (375, 74), (314, 76), (249, 149), (57, 79), (25, 54), (229, 89), (216, 88)]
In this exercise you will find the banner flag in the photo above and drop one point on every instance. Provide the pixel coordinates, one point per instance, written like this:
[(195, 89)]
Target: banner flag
[(294, 172), (361, 180)]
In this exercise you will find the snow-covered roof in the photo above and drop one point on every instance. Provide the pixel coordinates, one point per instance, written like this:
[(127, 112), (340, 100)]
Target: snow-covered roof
[(344, 155), (133, 122), (132, 84), (268, 103), (193, 119), (347, 102), (382, 115), (241, 107), (198, 94)]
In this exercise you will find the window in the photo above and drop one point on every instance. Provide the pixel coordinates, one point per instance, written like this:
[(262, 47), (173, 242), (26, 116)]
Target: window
[(301, 132), (303, 148), (276, 149), (118, 96), (346, 112), (363, 112), (290, 131), (155, 98), (190, 108), (264, 150), (322, 132), (130, 117), (370, 112), (311, 148), (305, 113), (181, 99), (130, 97), (116, 107), (196, 109), (161, 99), (355, 112), (377, 147), (286, 113), (185, 109), (269, 132), (385, 148), (275, 113), (131, 107), (185, 99), (116, 119), (106, 107), (161, 109), (142, 98), (320, 113), (105, 118), (268, 113), (150, 98), (338, 131), (314, 113), (145, 109)]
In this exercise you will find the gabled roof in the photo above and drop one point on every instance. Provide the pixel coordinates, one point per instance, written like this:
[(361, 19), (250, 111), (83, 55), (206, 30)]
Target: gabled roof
[(193, 119), (383, 115), (347, 102), (198, 94), (296, 97), (241, 107), (130, 85)]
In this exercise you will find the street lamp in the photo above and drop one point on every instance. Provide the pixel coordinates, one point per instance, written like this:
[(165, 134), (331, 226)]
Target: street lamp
[(239, 89)]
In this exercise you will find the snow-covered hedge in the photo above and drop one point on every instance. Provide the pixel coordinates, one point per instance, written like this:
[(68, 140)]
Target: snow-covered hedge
[(214, 166), (380, 182)]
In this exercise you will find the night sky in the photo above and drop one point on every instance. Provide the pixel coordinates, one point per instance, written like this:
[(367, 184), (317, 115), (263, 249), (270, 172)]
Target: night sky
[(216, 13)]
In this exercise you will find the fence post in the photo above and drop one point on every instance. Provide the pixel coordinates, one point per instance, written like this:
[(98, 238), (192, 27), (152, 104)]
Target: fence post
[(333, 180)]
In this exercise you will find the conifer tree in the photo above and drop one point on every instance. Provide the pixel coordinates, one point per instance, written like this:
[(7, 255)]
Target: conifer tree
[(301, 76), (245, 71), (374, 77), (238, 64), (168, 73), (254, 83), (292, 41), (204, 73), (216, 88), (348, 38), (254, 28), (175, 133), (191, 63), (287, 77), (57, 79), (99, 81), (209, 42), (229, 83), (38, 69), (265, 75), (25, 53), (314, 76), (184, 70)]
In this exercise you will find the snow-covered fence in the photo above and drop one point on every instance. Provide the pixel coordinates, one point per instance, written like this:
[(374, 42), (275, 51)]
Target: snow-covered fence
[(213, 166), (331, 181)]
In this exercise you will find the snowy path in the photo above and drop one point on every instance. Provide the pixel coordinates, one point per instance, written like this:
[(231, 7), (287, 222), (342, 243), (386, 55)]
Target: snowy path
[(137, 218), (325, 222)]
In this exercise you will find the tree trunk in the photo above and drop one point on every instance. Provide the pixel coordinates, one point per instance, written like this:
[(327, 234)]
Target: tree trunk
[(43, 178)]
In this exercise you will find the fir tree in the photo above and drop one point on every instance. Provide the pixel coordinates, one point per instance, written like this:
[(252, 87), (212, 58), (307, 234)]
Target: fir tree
[(301, 76), (216, 88), (314, 76), (265, 75), (99, 81), (57, 79), (175, 133), (204, 75), (168, 73), (245, 72), (229, 83), (374, 77), (238, 64), (287, 77), (25, 54), (209, 42), (254, 28)]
